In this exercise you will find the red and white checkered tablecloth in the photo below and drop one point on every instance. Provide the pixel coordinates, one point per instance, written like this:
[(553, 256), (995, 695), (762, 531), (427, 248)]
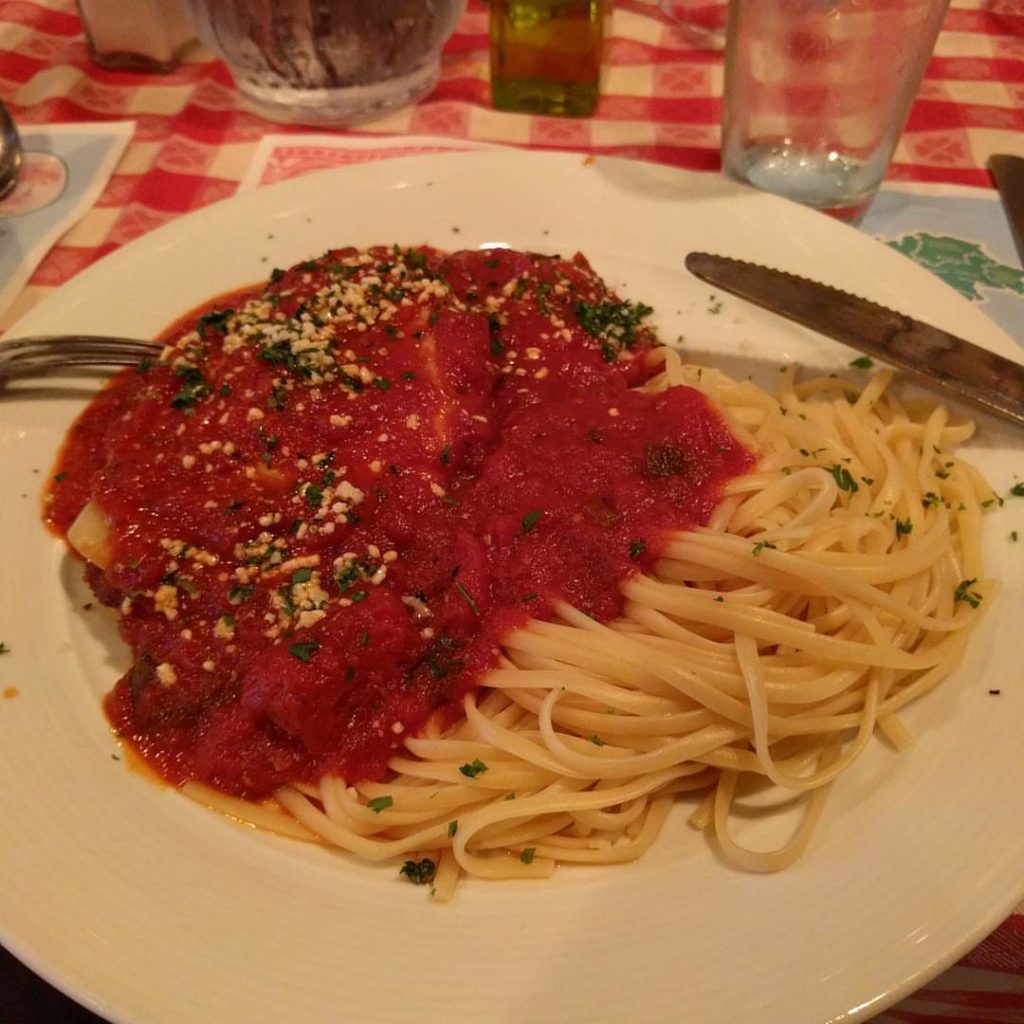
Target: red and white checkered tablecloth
[(661, 100)]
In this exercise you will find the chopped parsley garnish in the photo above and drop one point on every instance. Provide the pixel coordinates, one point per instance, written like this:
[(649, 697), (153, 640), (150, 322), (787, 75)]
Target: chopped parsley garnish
[(382, 383), (303, 575), (348, 575), (530, 520), (612, 321), (528, 597), (473, 768), (494, 331), (193, 387), (863, 362), (419, 872), (1017, 490), (761, 545), (379, 803), (637, 548), (4, 649), (278, 397), (528, 854), (844, 478), (596, 740), (446, 455), (415, 260), (352, 383), (304, 652), (930, 500), (279, 355), (468, 598), (453, 827), (963, 592), (439, 659), (217, 319), (287, 604), (60, 477), (903, 526)]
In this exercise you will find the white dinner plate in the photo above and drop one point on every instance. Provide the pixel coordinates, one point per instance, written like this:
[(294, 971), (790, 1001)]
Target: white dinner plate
[(152, 910)]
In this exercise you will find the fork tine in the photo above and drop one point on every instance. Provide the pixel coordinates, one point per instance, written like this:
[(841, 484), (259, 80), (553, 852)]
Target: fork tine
[(48, 341), (49, 353)]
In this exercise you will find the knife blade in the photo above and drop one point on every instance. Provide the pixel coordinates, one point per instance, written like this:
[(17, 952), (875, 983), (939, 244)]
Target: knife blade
[(955, 365), (1008, 172)]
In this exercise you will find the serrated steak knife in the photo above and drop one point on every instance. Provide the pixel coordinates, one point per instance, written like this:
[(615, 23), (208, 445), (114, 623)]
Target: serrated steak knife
[(941, 358)]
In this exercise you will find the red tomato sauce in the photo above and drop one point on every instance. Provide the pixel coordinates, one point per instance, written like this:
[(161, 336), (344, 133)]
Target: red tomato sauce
[(336, 493)]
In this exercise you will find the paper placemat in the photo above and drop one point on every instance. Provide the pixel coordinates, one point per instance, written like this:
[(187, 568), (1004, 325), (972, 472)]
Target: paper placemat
[(64, 172), (960, 234), (279, 157)]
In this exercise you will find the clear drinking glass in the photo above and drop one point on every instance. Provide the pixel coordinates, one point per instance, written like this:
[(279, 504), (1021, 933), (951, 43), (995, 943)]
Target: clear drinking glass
[(328, 61), (817, 93)]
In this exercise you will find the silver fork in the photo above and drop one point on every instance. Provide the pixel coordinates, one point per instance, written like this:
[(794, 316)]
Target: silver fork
[(49, 353)]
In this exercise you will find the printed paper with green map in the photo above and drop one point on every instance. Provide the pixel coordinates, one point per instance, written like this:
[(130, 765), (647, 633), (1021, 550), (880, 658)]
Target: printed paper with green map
[(962, 236)]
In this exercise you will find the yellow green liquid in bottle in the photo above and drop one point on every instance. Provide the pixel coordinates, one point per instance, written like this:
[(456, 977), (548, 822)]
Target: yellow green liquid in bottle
[(546, 55)]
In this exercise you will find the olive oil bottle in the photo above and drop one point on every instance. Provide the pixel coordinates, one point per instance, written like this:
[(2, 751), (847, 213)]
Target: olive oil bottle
[(546, 55)]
